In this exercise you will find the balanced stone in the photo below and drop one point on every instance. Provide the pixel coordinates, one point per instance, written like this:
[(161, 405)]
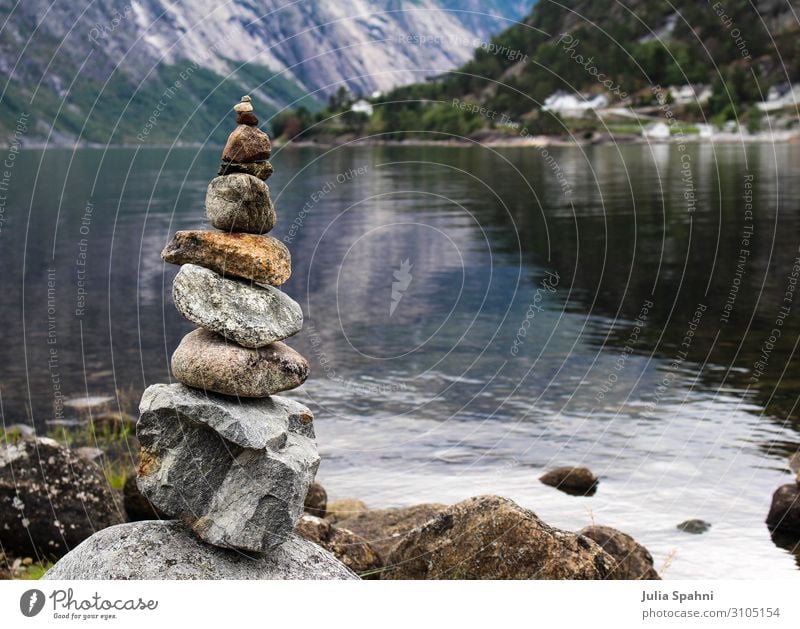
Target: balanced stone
[(240, 203), (205, 461), (168, 550), (247, 144), (262, 170), (205, 360), (247, 117), (249, 314), (250, 424), (259, 258), (242, 108)]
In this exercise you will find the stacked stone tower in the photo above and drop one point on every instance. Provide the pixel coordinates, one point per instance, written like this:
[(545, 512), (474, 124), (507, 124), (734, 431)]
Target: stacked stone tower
[(219, 450)]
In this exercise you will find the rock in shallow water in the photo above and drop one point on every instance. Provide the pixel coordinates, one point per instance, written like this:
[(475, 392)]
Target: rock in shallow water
[(237, 472), (247, 144), (634, 561), (784, 512), (168, 550), (576, 481), (251, 315), (259, 258), (489, 537), (240, 203), (205, 360), (51, 498)]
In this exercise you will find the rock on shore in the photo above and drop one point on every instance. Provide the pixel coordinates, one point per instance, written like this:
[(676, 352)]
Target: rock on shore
[(51, 498), (489, 537), (168, 550), (634, 561)]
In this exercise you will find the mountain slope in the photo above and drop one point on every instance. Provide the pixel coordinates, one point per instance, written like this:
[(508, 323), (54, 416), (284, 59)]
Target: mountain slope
[(740, 48), (100, 73)]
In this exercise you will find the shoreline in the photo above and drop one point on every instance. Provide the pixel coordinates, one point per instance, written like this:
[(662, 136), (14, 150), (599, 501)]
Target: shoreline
[(494, 141)]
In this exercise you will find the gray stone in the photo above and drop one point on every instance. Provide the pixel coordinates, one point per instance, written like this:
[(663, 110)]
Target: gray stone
[(51, 498), (168, 550), (232, 493), (205, 360), (248, 314), (262, 170), (695, 527), (256, 424), (240, 203)]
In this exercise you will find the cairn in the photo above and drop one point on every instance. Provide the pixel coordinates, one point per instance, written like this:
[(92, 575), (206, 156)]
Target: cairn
[(220, 451)]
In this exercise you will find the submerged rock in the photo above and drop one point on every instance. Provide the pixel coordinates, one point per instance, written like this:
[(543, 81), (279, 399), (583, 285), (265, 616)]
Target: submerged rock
[(247, 144), (207, 361), (695, 527), (249, 314), (634, 561), (316, 501), (51, 498), (576, 481), (237, 472), (352, 550), (384, 529), (784, 512), (240, 203), (168, 550), (255, 257), (489, 537)]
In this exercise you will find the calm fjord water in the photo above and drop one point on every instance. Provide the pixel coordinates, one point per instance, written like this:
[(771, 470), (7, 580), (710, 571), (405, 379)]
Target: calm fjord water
[(473, 317)]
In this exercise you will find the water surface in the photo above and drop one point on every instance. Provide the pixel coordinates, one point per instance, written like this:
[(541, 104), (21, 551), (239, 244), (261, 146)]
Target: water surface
[(584, 306)]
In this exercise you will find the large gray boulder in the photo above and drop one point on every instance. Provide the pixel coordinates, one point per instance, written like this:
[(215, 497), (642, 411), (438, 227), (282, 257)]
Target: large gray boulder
[(240, 203), (51, 498), (168, 550), (249, 314), (236, 471)]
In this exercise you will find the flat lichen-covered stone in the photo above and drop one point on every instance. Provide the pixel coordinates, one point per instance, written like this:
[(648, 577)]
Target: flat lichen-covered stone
[(248, 314), (255, 257), (262, 170), (232, 493), (207, 361), (169, 550)]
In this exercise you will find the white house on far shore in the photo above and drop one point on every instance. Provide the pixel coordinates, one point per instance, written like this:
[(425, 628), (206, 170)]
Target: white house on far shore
[(574, 105)]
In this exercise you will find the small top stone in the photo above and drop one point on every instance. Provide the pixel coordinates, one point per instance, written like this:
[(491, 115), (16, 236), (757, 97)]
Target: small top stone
[(244, 106)]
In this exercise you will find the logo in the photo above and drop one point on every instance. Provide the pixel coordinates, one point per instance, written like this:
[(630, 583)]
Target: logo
[(31, 603), (403, 277)]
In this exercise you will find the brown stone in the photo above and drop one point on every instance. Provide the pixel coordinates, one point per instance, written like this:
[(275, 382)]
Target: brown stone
[(247, 117), (384, 529), (205, 360), (489, 537), (784, 513), (259, 258), (247, 144), (316, 501), (343, 509), (634, 561), (577, 481), (262, 170), (352, 550)]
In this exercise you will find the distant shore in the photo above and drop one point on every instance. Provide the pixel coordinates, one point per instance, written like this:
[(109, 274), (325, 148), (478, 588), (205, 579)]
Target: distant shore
[(492, 140)]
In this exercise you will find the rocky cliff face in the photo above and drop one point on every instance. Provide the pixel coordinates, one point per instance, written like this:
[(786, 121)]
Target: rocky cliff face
[(113, 61)]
